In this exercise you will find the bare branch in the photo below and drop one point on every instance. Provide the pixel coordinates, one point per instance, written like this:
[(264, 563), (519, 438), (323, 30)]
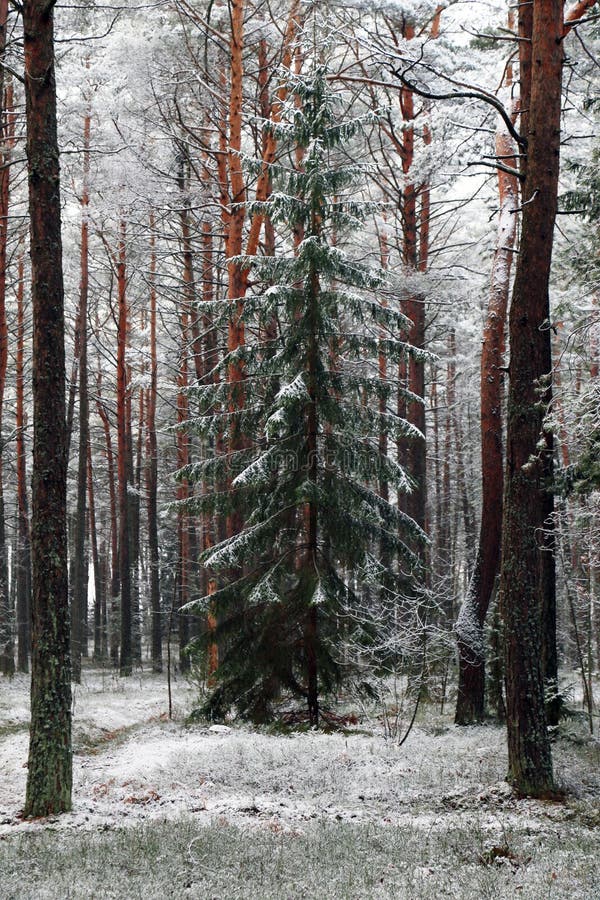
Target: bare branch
[(465, 95), (500, 166), (12, 72)]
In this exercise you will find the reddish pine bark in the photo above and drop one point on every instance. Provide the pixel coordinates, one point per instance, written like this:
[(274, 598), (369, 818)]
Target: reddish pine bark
[(237, 276), (273, 112), (575, 12), (425, 212), (415, 224), (414, 308), (232, 188), (469, 627), (49, 773), (530, 760)]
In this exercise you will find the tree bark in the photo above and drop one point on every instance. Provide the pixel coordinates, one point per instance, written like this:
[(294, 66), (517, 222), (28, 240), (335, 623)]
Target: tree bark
[(384, 253), (211, 376), (134, 472), (114, 533), (126, 650), (530, 760), (100, 623), (548, 558), (183, 494), (152, 470), (79, 595), (414, 308), (237, 276), (184, 523), (23, 562), (49, 773), (470, 705), (311, 514), (7, 660)]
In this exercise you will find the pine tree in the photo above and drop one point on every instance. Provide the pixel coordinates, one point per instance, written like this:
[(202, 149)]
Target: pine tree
[(7, 662), (50, 764), (527, 575), (305, 569), (470, 706)]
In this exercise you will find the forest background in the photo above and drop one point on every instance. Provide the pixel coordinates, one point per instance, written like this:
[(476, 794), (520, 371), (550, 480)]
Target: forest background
[(166, 180)]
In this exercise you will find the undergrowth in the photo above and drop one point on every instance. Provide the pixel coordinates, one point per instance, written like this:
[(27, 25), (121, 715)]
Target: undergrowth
[(339, 861)]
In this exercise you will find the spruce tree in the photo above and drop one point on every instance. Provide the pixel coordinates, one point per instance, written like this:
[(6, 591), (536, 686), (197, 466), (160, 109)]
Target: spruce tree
[(305, 572)]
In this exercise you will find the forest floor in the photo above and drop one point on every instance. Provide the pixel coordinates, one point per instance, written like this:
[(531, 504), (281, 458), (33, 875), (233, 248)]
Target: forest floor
[(167, 809)]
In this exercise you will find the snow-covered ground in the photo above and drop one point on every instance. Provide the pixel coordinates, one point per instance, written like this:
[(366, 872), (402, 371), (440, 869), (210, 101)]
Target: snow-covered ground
[(134, 767)]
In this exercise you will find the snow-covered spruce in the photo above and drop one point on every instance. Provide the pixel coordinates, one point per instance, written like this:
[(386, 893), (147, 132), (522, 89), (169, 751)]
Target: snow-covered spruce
[(305, 479)]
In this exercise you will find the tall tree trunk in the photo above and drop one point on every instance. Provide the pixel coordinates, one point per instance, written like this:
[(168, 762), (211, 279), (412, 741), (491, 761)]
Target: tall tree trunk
[(7, 660), (415, 225), (114, 629), (134, 463), (437, 461), (126, 654), (73, 379), (530, 760), (23, 562), (311, 563), (469, 627), (152, 470), (183, 494), (414, 308), (445, 538), (237, 276), (49, 773), (211, 376), (79, 595), (100, 631), (548, 579), (384, 489), (187, 313), (272, 111), (233, 195)]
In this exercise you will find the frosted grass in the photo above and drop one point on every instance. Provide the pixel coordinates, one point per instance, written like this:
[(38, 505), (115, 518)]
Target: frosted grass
[(327, 860), (163, 809)]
